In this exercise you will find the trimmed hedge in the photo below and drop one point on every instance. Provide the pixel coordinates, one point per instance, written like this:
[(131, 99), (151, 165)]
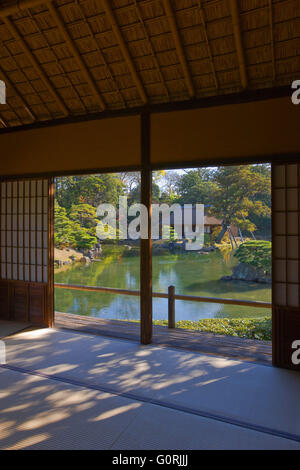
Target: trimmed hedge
[(256, 253)]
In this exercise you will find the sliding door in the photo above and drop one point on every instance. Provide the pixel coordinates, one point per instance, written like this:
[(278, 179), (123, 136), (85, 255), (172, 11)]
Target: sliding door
[(26, 285), (286, 264)]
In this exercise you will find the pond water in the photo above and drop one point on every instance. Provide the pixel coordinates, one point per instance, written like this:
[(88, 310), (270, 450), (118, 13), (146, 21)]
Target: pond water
[(191, 274)]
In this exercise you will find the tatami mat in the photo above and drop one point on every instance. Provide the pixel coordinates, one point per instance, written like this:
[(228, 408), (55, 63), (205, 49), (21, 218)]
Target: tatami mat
[(38, 413), (233, 404), (8, 328)]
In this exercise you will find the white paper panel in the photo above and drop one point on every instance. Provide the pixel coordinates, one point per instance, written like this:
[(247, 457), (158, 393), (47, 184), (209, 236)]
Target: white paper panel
[(286, 231), (24, 230)]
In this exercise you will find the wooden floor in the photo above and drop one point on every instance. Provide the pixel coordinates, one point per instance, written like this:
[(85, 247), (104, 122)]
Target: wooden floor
[(239, 348)]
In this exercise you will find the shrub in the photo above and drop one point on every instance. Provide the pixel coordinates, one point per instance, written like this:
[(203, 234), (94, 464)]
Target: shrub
[(257, 254), (251, 328)]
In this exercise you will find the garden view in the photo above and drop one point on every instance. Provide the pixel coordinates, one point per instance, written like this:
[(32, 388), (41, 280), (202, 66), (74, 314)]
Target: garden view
[(235, 262)]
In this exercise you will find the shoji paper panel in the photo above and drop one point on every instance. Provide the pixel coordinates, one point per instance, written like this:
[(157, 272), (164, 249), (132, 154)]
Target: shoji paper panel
[(286, 263), (24, 231), (286, 233)]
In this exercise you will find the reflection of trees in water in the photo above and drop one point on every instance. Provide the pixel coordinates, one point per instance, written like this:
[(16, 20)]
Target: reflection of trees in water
[(193, 269), (191, 273), (100, 305)]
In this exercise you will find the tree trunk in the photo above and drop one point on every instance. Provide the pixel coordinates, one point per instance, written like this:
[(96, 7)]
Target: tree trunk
[(220, 237)]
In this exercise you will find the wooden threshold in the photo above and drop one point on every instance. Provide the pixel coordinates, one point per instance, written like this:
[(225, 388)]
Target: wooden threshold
[(190, 340)]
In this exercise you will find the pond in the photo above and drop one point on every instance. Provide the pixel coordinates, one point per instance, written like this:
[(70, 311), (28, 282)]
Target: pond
[(190, 273)]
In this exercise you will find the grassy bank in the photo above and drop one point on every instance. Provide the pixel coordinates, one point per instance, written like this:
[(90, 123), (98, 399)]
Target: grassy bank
[(251, 328)]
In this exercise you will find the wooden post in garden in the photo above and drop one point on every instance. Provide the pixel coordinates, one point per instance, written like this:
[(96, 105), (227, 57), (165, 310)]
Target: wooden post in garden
[(171, 307)]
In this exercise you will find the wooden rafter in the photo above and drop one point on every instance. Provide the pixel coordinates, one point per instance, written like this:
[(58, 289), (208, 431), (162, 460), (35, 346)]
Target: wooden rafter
[(106, 64), (239, 42), (210, 54), (15, 33), (13, 59), (3, 122), (8, 82), (57, 61), (124, 49), (139, 15), (68, 39), (179, 47), (272, 39)]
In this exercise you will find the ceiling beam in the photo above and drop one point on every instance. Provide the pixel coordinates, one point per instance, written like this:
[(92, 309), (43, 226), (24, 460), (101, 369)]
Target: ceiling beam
[(15, 33), (124, 49), (9, 84), (68, 39), (179, 47), (20, 6), (234, 10)]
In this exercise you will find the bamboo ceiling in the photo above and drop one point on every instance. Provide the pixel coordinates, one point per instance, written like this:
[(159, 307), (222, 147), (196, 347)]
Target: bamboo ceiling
[(75, 57)]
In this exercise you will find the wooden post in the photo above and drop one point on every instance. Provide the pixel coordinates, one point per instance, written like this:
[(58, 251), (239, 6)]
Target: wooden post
[(146, 245), (50, 268), (171, 307)]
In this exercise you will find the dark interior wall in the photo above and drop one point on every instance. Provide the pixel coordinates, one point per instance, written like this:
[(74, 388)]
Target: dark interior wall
[(106, 143), (262, 129), (240, 130)]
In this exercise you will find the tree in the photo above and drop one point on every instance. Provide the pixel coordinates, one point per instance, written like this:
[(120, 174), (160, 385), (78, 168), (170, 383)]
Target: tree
[(131, 180), (84, 241), (235, 195), (91, 189), (135, 196), (257, 254), (196, 187), (69, 233), (262, 218), (85, 215), (63, 228), (169, 187)]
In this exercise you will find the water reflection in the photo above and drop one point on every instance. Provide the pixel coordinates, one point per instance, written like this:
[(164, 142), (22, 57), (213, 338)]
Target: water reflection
[(190, 273)]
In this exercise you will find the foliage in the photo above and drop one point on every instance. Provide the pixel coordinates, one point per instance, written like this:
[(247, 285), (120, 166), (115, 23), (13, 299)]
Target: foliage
[(84, 215), (84, 241), (63, 228), (251, 328), (262, 219), (235, 195), (257, 254), (169, 233), (77, 199), (239, 195), (135, 195), (91, 189), (196, 187), (216, 231), (68, 233)]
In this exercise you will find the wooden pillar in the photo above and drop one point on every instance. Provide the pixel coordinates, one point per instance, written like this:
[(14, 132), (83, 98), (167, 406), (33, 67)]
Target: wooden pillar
[(146, 245), (50, 268)]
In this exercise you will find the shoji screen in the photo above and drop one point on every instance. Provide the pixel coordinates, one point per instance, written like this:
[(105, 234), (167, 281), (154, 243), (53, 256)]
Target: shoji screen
[(24, 250), (286, 261)]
